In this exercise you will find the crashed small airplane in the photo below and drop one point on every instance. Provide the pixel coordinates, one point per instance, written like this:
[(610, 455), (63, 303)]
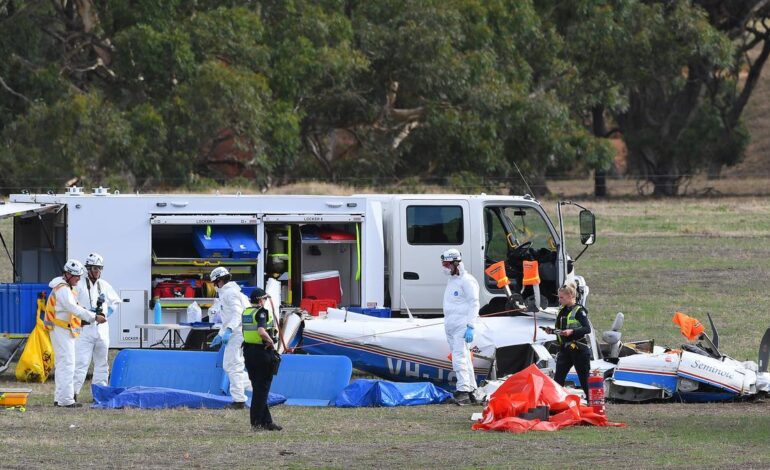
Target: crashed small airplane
[(697, 372), (414, 349)]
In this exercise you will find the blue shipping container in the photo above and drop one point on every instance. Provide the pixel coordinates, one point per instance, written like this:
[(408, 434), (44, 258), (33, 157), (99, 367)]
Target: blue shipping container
[(18, 306), (213, 244), (372, 312)]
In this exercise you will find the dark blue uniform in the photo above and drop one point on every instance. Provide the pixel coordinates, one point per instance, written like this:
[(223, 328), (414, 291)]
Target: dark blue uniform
[(573, 350), (258, 360)]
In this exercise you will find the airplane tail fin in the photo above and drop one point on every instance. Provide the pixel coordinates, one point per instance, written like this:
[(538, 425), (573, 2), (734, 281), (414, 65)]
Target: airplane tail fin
[(764, 351)]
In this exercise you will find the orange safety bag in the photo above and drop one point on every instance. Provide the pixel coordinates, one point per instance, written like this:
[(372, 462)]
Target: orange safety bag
[(36, 362)]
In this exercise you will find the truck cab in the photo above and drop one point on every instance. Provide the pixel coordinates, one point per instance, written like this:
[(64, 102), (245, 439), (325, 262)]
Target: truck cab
[(486, 229)]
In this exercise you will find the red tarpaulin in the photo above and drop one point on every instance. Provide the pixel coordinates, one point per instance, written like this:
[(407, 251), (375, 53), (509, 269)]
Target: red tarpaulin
[(531, 388)]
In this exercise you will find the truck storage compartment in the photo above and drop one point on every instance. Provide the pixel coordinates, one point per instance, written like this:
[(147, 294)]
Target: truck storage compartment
[(184, 254), (314, 261), (330, 262)]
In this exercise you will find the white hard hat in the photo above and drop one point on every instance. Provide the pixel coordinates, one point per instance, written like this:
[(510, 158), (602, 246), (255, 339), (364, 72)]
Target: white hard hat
[(74, 267), (452, 254), (95, 259), (219, 272)]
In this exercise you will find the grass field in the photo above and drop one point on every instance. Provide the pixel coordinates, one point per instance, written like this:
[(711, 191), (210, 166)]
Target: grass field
[(652, 257)]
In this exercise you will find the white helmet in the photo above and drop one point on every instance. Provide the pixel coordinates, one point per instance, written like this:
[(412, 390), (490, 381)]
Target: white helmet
[(218, 273), (95, 259), (452, 254), (74, 267)]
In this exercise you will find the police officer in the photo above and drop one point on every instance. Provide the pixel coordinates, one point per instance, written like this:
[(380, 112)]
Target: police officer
[(573, 326), (259, 336)]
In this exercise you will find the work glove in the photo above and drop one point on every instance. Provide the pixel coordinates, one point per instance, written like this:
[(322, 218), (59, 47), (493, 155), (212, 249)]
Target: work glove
[(110, 311), (216, 341), (226, 335), (468, 334)]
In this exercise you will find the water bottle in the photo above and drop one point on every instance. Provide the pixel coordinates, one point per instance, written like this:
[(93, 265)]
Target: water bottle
[(158, 313)]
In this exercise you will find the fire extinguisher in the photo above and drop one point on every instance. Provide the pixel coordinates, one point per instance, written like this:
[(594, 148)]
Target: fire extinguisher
[(596, 391)]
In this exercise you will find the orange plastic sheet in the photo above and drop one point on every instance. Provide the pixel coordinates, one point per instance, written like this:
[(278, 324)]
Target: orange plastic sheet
[(690, 326), (531, 388)]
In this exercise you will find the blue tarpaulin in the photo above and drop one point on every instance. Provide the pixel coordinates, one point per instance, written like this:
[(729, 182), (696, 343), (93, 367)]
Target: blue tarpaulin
[(365, 392), (160, 397)]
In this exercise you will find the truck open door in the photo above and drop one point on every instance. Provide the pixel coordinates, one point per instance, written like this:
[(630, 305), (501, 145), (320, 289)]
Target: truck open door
[(32, 255), (39, 240)]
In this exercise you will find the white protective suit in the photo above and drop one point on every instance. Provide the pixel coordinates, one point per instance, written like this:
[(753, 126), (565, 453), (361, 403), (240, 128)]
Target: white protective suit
[(94, 340), (64, 343), (461, 308), (230, 306)]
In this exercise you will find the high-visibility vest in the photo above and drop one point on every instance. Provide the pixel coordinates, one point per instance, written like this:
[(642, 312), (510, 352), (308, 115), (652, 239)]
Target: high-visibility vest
[(74, 325), (570, 324), (531, 274), (250, 328)]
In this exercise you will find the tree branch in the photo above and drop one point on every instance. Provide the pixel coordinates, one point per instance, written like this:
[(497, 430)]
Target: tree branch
[(312, 145), (751, 81), (14, 93), (404, 134)]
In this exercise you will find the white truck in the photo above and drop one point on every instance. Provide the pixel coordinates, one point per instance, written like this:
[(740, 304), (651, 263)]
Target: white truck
[(382, 250)]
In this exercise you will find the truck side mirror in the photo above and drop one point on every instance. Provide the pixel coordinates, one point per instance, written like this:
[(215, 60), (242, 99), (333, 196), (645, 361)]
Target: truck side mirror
[(587, 227)]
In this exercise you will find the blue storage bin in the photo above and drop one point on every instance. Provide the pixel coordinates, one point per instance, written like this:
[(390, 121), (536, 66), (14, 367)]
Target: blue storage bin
[(372, 312), (18, 305), (243, 242), (214, 246), (246, 289)]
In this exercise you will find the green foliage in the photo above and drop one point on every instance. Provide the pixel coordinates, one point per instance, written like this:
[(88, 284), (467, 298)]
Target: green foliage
[(423, 90), (154, 61), (91, 139), (232, 35)]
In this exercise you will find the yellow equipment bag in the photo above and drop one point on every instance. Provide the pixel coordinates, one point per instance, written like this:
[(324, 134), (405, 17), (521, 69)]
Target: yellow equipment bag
[(36, 362)]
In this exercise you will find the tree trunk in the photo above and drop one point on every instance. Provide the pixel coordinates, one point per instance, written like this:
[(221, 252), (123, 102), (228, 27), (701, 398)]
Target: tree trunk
[(600, 183), (600, 130), (665, 184)]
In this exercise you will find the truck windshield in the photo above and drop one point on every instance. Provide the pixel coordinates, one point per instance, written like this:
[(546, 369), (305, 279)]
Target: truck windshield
[(510, 227), (515, 234)]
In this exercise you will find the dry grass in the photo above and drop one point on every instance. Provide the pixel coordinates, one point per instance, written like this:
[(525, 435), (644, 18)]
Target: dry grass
[(652, 257), (700, 186), (657, 436)]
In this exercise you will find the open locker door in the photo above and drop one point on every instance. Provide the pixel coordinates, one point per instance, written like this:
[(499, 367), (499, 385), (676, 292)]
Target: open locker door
[(26, 209), (34, 244)]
